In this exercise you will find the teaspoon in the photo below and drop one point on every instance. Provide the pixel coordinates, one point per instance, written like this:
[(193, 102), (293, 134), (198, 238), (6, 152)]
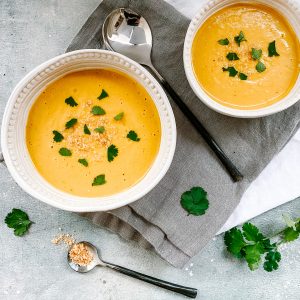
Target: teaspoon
[(98, 261), (126, 32)]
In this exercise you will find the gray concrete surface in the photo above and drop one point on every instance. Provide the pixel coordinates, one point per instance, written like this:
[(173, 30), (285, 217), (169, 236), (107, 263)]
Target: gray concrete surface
[(32, 31)]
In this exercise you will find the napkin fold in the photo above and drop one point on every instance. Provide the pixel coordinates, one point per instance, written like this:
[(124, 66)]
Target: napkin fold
[(157, 220)]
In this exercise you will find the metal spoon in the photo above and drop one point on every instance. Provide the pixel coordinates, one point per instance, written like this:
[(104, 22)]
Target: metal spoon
[(97, 261), (128, 33)]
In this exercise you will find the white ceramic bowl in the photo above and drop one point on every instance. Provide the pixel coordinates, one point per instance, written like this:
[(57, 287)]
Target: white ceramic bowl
[(288, 8), (14, 147)]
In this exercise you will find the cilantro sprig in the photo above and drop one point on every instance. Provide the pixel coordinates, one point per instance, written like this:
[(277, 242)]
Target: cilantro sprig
[(71, 123), (99, 180), (223, 42), (70, 101), (119, 116), (132, 135), (112, 152), (97, 110), (272, 49), (58, 137), (240, 38), (232, 56), (250, 244), (103, 95), (19, 221)]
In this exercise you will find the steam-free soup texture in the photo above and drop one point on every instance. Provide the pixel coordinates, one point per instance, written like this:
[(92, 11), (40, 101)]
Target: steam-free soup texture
[(93, 133), (226, 39)]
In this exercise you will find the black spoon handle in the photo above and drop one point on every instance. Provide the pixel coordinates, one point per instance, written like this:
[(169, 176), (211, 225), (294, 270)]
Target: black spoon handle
[(230, 167), (187, 291)]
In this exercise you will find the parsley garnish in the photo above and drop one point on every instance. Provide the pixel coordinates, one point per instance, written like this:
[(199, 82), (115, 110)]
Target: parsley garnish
[(86, 129), (19, 221), (250, 244), (232, 71), (232, 56), (70, 101), (83, 161), (99, 180), (260, 67), (100, 129), (65, 152), (195, 201), (240, 38), (119, 116), (256, 53), (243, 76), (103, 95), (112, 152), (71, 123), (132, 135), (97, 110), (223, 42), (58, 137), (272, 49)]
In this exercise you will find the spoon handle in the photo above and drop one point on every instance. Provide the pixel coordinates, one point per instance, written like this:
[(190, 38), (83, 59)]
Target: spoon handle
[(187, 291), (230, 167)]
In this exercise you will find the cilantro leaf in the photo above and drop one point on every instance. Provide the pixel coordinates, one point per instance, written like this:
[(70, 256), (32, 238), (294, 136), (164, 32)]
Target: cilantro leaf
[(71, 123), (65, 152), (86, 129), (70, 101), (256, 53), (260, 67), (234, 241), (271, 261), (232, 71), (243, 76), (195, 201), (58, 137), (83, 161), (232, 56), (100, 129), (119, 116), (103, 95), (19, 221), (112, 152), (97, 110), (251, 233), (99, 180), (223, 42), (240, 38), (132, 135), (272, 49), (253, 254), (289, 234)]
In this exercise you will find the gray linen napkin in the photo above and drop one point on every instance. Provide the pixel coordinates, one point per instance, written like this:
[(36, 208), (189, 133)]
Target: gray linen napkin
[(157, 221)]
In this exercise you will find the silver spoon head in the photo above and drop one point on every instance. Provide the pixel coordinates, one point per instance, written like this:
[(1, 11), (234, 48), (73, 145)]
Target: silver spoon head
[(85, 268), (126, 32)]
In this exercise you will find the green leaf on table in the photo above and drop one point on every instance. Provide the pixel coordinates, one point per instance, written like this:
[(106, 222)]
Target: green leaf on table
[(112, 152), (195, 201), (234, 241), (71, 123), (103, 95), (70, 101), (251, 233), (289, 234), (223, 42), (19, 221), (252, 254), (271, 261), (58, 137), (99, 180), (272, 49), (97, 110)]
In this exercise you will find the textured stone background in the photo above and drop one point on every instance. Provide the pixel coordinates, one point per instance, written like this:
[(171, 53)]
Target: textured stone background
[(32, 31)]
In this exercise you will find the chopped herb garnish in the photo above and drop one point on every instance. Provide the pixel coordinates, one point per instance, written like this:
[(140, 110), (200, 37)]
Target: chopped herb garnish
[(58, 137), (256, 53), (70, 101), (19, 221), (103, 95), (112, 152), (232, 71), (223, 42), (65, 152), (195, 201), (240, 38), (272, 49), (99, 180), (232, 56), (86, 129), (132, 135), (119, 116), (100, 129), (71, 123), (83, 161), (97, 110), (243, 76), (260, 67)]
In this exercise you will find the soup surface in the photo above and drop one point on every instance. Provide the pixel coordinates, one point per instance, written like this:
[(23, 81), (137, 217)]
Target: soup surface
[(93, 133), (246, 56)]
